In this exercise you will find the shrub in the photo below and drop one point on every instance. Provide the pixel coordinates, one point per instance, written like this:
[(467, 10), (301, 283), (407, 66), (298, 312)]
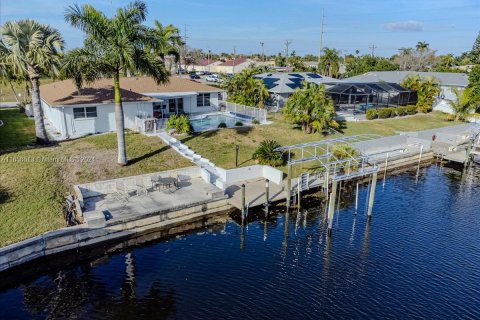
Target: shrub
[(411, 109), (222, 125), (384, 113), (393, 112), (179, 123), (238, 124), (266, 154), (255, 121), (371, 114), (450, 117), (401, 111)]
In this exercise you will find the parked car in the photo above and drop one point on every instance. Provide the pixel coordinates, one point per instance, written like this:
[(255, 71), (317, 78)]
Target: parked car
[(194, 76), (213, 78)]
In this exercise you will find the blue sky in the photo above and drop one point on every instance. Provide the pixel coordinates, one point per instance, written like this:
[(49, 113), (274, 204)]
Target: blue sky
[(219, 25)]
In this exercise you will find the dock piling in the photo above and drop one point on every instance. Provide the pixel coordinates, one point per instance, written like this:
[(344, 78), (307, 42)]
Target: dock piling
[(299, 192), (331, 206), (356, 200), (267, 197), (372, 196), (385, 171), (289, 185), (243, 200)]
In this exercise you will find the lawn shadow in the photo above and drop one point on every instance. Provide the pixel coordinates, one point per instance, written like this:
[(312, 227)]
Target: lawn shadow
[(205, 134), (243, 130), (4, 195), (148, 155), (342, 126)]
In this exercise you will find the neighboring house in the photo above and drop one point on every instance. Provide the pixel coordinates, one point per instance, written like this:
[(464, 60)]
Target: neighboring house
[(282, 85), (447, 81), (75, 114), (234, 65), (206, 65)]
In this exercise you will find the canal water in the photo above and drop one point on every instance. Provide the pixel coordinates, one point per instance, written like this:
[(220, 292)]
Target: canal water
[(419, 257)]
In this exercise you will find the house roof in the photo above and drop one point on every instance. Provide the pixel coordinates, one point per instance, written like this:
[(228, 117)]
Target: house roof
[(205, 62), (281, 82), (234, 62), (445, 78), (133, 89)]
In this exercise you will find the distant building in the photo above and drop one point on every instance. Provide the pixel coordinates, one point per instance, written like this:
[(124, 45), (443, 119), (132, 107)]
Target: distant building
[(206, 65), (282, 85), (447, 80), (234, 65)]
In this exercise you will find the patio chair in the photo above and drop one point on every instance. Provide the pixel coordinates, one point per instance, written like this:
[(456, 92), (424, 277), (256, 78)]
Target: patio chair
[(175, 177), (155, 180)]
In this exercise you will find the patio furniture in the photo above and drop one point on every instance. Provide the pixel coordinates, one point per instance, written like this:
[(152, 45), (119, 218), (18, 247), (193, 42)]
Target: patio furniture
[(167, 183), (155, 180)]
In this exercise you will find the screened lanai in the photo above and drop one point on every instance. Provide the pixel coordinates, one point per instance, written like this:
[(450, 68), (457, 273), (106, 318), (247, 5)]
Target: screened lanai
[(359, 97)]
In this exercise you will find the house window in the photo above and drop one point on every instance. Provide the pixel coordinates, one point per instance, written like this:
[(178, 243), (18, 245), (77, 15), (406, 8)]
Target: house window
[(203, 100), (85, 112), (175, 105)]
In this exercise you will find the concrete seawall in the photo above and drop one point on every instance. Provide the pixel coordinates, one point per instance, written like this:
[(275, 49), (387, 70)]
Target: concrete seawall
[(80, 237)]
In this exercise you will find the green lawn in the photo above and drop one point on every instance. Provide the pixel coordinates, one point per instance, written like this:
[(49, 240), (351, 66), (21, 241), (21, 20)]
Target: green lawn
[(32, 188), (219, 145), (32, 191)]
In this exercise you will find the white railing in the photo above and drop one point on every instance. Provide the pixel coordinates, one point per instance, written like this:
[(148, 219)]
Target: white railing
[(149, 125), (249, 113)]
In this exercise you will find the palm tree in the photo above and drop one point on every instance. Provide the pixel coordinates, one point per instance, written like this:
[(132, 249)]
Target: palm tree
[(244, 89), (330, 62), (8, 76), (311, 108), (31, 50), (115, 46), (422, 46), (427, 89), (464, 104), (169, 41)]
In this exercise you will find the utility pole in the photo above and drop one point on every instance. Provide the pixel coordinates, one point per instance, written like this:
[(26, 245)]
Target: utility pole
[(233, 62), (373, 47), (321, 38), (287, 44), (263, 50)]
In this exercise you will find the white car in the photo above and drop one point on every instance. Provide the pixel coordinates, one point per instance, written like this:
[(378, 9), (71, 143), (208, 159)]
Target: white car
[(213, 78)]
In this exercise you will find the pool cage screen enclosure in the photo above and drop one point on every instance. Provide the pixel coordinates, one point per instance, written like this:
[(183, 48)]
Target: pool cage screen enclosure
[(363, 96)]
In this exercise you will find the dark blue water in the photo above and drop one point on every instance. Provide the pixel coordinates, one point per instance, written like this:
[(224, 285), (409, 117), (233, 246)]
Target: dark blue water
[(418, 258)]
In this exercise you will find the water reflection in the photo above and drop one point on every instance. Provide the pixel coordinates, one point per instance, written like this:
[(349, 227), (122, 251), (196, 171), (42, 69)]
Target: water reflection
[(407, 261)]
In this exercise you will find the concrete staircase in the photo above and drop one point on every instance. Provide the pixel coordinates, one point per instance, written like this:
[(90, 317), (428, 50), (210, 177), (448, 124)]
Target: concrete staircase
[(210, 172)]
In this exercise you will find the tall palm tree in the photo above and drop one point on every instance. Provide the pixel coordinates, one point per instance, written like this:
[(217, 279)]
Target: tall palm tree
[(31, 49), (464, 104), (169, 41), (330, 62), (7, 76), (422, 46), (115, 46)]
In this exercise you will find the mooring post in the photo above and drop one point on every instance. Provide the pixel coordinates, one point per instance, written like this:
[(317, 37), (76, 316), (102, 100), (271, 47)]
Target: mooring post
[(327, 177), (299, 192), (289, 184), (385, 171), (243, 200), (267, 187), (372, 196), (339, 197), (331, 206), (356, 200)]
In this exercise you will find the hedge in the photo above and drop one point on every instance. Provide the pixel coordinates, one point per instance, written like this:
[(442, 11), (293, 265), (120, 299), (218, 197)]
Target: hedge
[(411, 109), (384, 113), (401, 111), (371, 114)]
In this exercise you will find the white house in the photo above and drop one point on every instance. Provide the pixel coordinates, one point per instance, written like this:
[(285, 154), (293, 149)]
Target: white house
[(92, 110), (206, 65), (447, 81), (234, 66)]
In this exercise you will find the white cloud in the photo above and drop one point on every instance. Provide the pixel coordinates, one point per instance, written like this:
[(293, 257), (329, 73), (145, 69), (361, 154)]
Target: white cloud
[(411, 25)]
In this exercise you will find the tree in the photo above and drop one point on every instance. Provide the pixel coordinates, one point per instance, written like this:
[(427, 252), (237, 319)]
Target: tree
[(280, 61), (297, 64), (422, 46), (475, 52), (8, 75), (115, 46), (427, 89), (329, 62), (243, 88), (266, 153), (169, 42), (311, 108), (366, 63), (31, 50), (465, 103)]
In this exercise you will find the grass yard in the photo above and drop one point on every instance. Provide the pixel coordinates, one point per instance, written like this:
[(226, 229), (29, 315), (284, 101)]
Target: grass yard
[(219, 145), (32, 188)]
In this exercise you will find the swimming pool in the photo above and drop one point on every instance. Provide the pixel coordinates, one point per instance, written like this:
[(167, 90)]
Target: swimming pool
[(211, 121)]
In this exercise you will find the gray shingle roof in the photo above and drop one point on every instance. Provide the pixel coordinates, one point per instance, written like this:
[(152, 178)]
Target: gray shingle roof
[(445, 78)]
